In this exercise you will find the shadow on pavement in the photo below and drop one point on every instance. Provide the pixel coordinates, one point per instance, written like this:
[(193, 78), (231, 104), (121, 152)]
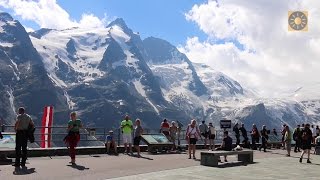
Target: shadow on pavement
[(23, 171), (78, 167), (142, 157)]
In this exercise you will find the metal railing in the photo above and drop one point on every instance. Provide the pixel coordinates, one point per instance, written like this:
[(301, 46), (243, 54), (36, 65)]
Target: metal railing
[(95, 136)]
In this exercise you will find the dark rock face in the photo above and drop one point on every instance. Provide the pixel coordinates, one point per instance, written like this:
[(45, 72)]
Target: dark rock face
[(24, 79)]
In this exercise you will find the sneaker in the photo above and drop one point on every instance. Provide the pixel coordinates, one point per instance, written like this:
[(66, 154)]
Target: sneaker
[(189, 157), (308, 161), (225, 160), (288, 155), (300, 160), (194, 157)]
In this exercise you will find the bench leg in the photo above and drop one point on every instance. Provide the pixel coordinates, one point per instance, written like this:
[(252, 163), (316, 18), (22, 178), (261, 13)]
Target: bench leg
[(247, 158), (209, 160)]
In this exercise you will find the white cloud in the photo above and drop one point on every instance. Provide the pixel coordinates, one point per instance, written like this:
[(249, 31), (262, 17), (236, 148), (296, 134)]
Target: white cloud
[(273, 59), (48, 14)]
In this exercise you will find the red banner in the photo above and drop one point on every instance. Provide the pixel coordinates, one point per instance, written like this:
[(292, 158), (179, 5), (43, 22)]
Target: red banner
[(47, 119)]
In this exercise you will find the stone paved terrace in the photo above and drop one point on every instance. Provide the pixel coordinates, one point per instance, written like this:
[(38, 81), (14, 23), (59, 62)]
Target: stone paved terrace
[(270, 165)]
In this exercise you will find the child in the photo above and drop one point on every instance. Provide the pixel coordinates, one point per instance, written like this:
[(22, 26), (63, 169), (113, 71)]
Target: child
[(110, 142)]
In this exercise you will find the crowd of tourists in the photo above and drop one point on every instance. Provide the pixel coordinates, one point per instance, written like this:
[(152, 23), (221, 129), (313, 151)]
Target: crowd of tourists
[(305, 136)]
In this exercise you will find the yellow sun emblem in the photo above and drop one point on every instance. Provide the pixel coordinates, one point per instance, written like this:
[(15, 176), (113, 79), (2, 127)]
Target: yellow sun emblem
[(298, 21)]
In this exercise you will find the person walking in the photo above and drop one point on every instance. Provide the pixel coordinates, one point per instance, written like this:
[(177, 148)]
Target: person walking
[(73, 136), (237, 133), (297, 137), (138, 130), (255, 136), (204, 132), (306, 142), (192, 135), (173, 134), (264, 138), (23, 122), (212, 136), (287, 140), (127, 128)]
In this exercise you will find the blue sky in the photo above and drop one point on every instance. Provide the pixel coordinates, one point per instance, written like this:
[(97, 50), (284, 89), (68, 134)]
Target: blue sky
[(164, 19)]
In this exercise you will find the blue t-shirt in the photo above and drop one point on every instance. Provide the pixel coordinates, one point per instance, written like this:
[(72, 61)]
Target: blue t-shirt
[(109, 138)]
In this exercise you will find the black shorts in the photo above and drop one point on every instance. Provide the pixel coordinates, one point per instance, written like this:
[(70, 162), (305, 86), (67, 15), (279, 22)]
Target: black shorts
[(136, 141), (193, 141), (212, 136), (205, 135)]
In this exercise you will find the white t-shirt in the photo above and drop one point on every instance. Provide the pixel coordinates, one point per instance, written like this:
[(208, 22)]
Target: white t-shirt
[(314, 132)]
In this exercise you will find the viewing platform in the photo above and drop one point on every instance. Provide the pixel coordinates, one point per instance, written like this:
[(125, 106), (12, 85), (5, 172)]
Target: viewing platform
[(270, 165)]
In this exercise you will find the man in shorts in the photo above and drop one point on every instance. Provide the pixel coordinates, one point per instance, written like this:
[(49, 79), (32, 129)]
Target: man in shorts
[(127, 128)]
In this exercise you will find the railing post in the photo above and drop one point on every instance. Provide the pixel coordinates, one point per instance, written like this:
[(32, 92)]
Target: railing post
[(119, 134)]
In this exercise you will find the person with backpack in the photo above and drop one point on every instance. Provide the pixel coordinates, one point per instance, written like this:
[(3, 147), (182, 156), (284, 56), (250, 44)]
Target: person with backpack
[(192, 135), (297, 137), (212, 136), (306, 142), (23, 123), (255, 136), (237, 133), (204, 132)]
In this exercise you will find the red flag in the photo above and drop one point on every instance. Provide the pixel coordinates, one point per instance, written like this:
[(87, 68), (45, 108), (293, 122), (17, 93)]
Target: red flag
[(47, 119)]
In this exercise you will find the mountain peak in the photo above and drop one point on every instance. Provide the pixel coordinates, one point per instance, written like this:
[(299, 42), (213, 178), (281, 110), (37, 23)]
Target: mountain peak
[(5, 17), (119, 22)]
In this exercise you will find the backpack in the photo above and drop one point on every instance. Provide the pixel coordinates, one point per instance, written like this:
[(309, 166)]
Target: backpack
[(305, 136)]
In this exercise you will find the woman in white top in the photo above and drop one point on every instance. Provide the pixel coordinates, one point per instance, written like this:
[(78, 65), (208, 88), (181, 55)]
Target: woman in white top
[(212, 136), (192, 135)]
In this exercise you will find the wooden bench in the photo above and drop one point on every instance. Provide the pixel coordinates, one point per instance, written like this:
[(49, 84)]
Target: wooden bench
[(211, 158)]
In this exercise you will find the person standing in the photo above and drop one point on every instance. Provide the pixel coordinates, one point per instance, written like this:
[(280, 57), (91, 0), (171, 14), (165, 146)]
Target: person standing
[(173, 134), (314, 134), (138, 130), (192, 135), (204, 132), (297, 135), (283, 131), (287, 140), (264, 138), (237, 133), (318, 130), (212, 136), (255, 136), (127, 128), (73, 136), (23, 122), (306, 142), (164, 128)]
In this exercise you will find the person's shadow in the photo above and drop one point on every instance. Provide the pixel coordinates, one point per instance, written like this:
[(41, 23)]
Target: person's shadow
[(23, 171), (78, 167), (142, 157)]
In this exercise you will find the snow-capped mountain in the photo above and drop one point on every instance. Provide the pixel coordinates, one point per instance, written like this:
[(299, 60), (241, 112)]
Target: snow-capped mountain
[(104, 73), (23, 79)]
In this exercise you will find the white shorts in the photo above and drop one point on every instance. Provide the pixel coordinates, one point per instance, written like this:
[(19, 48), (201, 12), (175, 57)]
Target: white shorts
[(127, 138)]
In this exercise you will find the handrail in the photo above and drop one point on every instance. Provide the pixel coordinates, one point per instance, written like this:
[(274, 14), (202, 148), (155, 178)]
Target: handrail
[(101, 133)]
